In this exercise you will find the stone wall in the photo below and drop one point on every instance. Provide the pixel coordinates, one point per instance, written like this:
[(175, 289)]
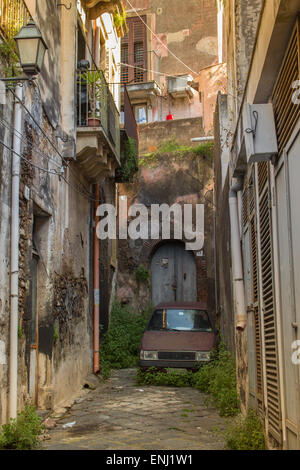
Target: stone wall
[(181, 130)]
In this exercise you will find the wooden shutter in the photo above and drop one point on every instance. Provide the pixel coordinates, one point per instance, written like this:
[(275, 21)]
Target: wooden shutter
[(245, 206), (134, 51), (268, 305), (255, 297), (286, 112)]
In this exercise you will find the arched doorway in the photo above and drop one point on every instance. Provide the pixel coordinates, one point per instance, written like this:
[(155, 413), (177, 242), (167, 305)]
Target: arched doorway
[(173, 274)]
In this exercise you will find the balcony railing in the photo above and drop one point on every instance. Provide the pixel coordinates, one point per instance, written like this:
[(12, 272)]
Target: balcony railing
[(96, 106), (13, 15)]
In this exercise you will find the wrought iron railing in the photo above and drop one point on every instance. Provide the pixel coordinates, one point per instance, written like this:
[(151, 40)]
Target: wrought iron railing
[(13, 15), (96, 106)]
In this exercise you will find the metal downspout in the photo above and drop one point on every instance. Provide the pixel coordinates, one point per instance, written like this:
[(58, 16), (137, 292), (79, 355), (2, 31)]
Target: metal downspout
[(14, 256), (96, 284), (236, 255)]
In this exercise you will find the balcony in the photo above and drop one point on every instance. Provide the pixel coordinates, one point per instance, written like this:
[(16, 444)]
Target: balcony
[(95, 8), (98, 126)]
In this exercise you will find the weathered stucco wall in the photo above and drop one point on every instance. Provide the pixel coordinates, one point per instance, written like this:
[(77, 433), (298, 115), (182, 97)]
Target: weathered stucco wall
[(56, 225), (181, 130), (5, 194), (212, 80)]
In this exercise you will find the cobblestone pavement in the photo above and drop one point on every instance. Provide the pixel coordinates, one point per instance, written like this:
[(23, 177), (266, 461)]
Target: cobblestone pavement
[(120, 415)]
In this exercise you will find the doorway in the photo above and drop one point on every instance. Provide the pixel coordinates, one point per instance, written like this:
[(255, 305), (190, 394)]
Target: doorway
[(173, 274)]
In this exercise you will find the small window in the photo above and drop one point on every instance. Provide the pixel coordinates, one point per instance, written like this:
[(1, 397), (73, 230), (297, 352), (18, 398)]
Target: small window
[(141, 114)]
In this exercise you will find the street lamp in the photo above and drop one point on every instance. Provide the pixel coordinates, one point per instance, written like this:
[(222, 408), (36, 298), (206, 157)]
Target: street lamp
[(31, 48)]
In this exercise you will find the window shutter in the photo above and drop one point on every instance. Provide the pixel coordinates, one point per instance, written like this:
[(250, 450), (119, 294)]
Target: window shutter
[(286, 112), (134, 51), (268, 304)]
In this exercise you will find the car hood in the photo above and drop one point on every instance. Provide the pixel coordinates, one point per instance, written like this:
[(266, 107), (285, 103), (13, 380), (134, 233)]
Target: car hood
[(178, 341)]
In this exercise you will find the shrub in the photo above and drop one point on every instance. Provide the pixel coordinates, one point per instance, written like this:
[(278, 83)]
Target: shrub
[(129, 162), (142, 273), (218, 378), (246, 433), (121, 344), (23, 432), (170, 377)]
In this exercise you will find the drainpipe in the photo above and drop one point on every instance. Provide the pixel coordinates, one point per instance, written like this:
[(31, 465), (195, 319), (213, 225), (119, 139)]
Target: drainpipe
[(236, 255), (96, 285), (14, 257)]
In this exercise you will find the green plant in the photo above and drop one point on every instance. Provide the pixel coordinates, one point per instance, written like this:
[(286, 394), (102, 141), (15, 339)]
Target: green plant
[(218, 378), (94, 80), (121, 343), (129, 162), (9, 53), (55, 333), (142, 273), (20, 332), (119, 18), (169, 378), (171, 147), (23, 432), (246, 433)]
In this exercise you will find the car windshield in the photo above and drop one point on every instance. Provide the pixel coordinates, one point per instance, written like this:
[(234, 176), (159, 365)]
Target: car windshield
[(180, 320)]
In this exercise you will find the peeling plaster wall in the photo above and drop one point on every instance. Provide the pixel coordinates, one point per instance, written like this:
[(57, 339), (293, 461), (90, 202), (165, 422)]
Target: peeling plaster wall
[(56, 222), (5, 194)]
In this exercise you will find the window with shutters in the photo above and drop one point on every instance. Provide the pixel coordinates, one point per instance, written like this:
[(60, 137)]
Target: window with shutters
[(268, 304), (134, 52), (286, 111)]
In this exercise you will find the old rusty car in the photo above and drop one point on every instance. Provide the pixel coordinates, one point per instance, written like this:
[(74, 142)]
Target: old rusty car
[(178, 335)]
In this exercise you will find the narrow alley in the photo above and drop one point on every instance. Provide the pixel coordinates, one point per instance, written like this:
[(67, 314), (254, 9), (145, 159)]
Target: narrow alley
[(118, 414), (149, 225)]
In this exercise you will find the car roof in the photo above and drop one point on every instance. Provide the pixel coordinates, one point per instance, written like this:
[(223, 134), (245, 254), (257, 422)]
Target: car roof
[(183, 305)]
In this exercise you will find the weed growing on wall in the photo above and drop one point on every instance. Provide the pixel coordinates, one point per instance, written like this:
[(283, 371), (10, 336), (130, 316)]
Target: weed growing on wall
[(171, 147), (142, 273), (217, 378), (120, 346), (23, 432), (129, 162), (246, 433)]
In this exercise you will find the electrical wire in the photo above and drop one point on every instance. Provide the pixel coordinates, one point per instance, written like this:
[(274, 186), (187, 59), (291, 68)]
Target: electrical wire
[(153, 71), (51, 172), (47, 137), (166, 47), (23, 139)]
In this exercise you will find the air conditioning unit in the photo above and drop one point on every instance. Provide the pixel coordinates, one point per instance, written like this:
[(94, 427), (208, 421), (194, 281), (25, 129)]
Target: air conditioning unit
[(179, 87), (259, 132)]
